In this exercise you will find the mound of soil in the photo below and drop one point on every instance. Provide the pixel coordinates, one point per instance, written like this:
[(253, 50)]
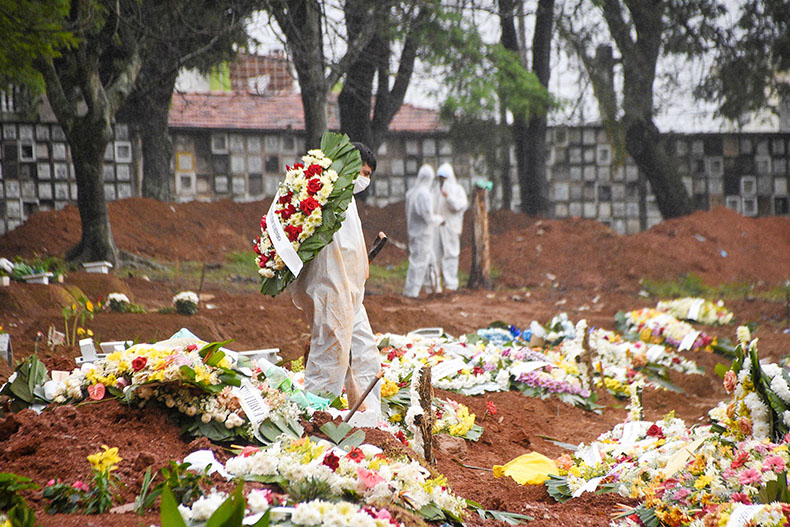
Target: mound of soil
[(577, 266)]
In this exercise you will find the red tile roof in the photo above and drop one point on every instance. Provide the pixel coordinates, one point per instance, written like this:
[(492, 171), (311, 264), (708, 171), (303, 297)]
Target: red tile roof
[(240, 110)]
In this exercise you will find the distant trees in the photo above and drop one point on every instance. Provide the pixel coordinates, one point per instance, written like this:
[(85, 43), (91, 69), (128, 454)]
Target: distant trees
[(642, 32), (196, 34)]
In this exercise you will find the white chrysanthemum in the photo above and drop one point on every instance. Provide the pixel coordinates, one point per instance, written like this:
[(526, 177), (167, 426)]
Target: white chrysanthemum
[(309, 513), (205, 506), (186, 296), (744, 335)]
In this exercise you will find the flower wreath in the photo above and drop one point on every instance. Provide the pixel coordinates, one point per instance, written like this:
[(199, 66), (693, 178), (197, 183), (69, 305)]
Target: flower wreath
[(308, 209)]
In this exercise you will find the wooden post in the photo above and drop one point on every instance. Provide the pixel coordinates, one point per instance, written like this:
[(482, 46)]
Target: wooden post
[(588, 360), (425, 389), (480, 273)]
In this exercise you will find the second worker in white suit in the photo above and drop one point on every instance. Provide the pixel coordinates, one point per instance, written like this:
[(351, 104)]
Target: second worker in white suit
[(421, 223), (451, 203)]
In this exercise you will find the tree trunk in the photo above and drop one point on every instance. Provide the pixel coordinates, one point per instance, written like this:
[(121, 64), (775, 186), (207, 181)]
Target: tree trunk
[(509, 40), (644, 143), (88, 142), (534, 191), (480, 273), (507, 178)]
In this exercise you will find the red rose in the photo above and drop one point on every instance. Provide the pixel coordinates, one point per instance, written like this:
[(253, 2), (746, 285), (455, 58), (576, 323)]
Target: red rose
[(299, 165), (256, 245), (287, 211), (293, 231), (477, 370), (313, 170), (331, 461), (309, 205), (655, 431), (263, 260), (263, 222), (139, 363), (192, 347), (314, 185), (285, 198)]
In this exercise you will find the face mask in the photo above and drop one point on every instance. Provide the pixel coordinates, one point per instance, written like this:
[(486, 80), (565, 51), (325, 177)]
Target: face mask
[(360, 184)]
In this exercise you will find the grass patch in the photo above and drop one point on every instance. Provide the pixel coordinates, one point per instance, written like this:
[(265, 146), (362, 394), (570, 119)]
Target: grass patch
[(692, 285)]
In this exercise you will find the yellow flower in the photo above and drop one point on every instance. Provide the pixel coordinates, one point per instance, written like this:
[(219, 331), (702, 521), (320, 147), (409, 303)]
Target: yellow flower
[(389, 388), (89, 306), (106, 461), (80, 331), (396, 418), (6, 523), (702, 482)]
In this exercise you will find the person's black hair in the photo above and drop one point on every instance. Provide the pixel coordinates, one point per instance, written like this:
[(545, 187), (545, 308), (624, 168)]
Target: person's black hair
[(367, 155)]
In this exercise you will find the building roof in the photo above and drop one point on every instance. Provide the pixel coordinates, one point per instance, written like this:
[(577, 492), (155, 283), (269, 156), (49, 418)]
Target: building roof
[(240, 110)]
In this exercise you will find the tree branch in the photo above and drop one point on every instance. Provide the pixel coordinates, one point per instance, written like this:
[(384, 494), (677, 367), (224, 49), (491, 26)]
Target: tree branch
[(613, 13)]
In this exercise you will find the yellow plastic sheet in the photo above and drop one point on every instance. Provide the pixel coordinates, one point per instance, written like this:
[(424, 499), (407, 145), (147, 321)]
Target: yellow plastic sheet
[(529, 469)]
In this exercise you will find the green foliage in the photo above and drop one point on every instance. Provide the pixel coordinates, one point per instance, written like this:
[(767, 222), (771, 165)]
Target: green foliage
[(26, 389), (692, 285), (181, 484), (31, 30), (168, 510), (309, 489), (511, 518), (336, 432), (12, 503), (63, 498)]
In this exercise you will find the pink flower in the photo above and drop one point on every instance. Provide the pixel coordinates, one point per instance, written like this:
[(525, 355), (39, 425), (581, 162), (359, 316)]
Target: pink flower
[(248, 451), (383, 514), (749, 476), (50, 482), (680, 494), (369, 477), (741, 497), (730, 380), (81, 485), (775, 463)]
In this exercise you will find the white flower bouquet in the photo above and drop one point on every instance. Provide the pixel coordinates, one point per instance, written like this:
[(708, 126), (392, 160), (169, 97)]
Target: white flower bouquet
[(186, 303)]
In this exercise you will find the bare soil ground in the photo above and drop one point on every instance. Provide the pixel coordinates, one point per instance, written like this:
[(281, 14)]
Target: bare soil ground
[(544, 267)]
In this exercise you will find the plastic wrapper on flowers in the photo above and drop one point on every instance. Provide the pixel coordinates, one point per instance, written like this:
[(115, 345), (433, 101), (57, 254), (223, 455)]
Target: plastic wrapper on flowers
[(217, 395), (364, 473), (697, 310), (310, 206), (657, 327)]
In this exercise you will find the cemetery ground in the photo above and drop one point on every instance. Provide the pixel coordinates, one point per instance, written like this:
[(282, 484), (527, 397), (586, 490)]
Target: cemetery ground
[(541, 268)]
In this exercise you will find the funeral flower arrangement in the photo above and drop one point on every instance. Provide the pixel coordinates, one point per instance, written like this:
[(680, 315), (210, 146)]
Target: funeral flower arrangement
[(349, 469), (697, 310), (657, 327), (202, 383), (703, 475), (186, 302), (307, 210)]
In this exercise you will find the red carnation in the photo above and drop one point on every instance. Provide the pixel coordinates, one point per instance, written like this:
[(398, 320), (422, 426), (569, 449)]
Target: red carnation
[(331, 461), (256, 245), (313, 170), (299, 165), (309, 205), (286, 198), (263, 222), (293, 231), (314, 185), (263, 260), (477, 370), (192, 347), (139, 363)]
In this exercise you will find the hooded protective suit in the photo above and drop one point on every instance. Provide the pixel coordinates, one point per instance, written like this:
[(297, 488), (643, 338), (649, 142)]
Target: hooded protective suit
[(330, 290), (451, 203), (421, 222)]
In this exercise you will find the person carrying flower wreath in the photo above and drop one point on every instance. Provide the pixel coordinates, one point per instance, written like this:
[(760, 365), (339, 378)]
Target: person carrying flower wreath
[(330, 290)]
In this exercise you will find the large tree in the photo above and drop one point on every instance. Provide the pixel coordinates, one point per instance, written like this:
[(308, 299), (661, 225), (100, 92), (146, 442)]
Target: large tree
[(307, 28), (189, 33), (643, 32), (485, 81), (402, 24), (85, 87), (529, 131)]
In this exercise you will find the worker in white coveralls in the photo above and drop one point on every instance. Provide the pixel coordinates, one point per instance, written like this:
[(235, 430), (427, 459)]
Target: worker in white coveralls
[(450, 203), (421, 224), (330, 290)]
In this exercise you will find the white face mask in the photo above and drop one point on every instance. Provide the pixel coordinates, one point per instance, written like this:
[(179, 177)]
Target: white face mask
[(360, 184)]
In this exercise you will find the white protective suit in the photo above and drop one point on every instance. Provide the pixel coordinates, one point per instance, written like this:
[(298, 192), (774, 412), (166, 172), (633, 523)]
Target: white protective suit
[(421, 223), (330, 290), (451, 208)]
